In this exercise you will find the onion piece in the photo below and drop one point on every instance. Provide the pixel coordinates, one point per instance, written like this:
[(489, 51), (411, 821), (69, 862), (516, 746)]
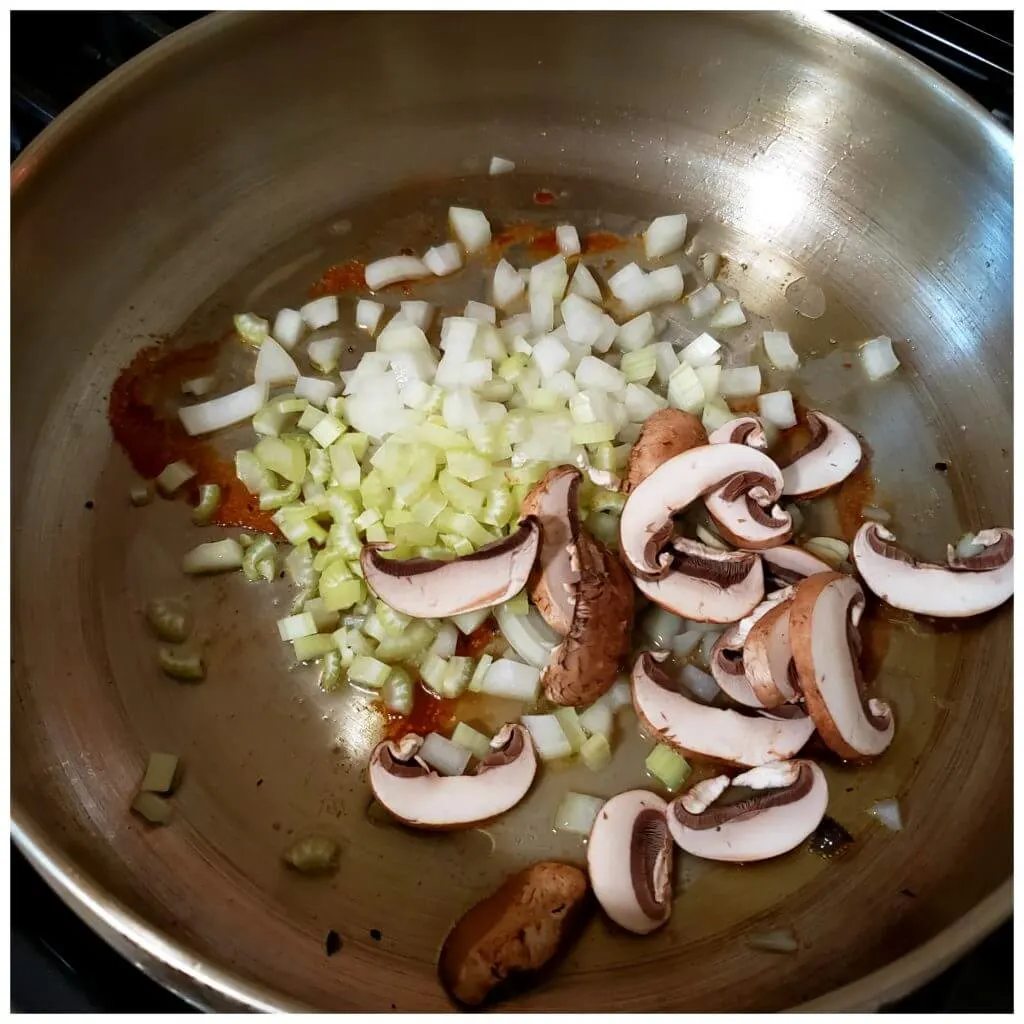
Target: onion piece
[(740, 381), (701, 302), (704, 350), (878, 357), (288, 327), (368, 314), (499, 165), (440, 753), (597, 720), (480, 311), (417, 312), (475, 742), (470, 227), (708, 263), (686, 643), (664, 235), (888, 813), (315, 389), (507, 285), (528, 635), (567, 239), (780, 350), (199, 386), (730, 315), (584, 283), (511, 679), (829, 549), (700, 683), (442, 260), (577, 812), (320, 312), (274, 365), (708, 641), (548, 736), (661, 626), (223, 411), (780, 940), (174, 476), (776, 408), (393, 269)]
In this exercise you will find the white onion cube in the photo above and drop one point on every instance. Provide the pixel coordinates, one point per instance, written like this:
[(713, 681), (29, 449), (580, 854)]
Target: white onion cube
[(776, 407), (567, 239), (550, 355), (368, 314), (583, 320), (320, 312), (779, 350), (702, 351), (499, 165), (548, 737), (685, 390), (596, 373), (418, 312), (442, 260), (740, 381), (878, 357), (664, 235), (470, 227), (703, 301), (666, 360), (393, 269), (480, 311), (730, 315), (636, 333), (507, 284), (584, 283), (288, 327)]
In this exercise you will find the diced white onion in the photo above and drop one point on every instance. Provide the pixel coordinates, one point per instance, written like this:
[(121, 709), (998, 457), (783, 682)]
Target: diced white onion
[(324, 353), (686, 643), (710, 377), (471, 620), (480, 311), (584, 283), (274, 365), (320, 312), (199, 386), (440, 753), (393, 269), (315, 390), (629, 285), (619, 696), (577, 813), (548, 736), (780, 350), (665, 285), (730, 315), (716, 414), (635, 333), (507, 285), (470, 227), (499, 165), (708, 263), (664, 235), (667, 361), (583, 320), (567, 239), (512, 680), (368, 314), (528, 635), (223, 411), (700, 684), (596, 373), (641, 402), (288, 327), (878, 357), (597, 720), (888, 813), (550, 355), (708, 640), (442, 260), (702, 351), (685, 391), (703, 301), (739, 381), (776, 407), (417, 312), (174, 476)]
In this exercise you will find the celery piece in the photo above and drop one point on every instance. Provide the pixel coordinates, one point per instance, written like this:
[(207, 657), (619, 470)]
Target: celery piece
[(476, 682), (603, 457), (345, 466), (668, 767), (392, 621), (499, 508), (299, 528), (161, 774), (467, 466), (596, 752), (209, 502), (376, 534), (291, 627), (338, 588), (373, 627), (367, 518), (185, 666), (259, 562), (416, 482), (335, 406), (252, 329), (325, 618), (299, 565), (432, 670), (593, 433), (359, 443), (327, 431), (332, 676), (440, 436), (254, 475), (313, 855), (398, 693), (374, 491), (397, 516), (343, 505), (174, 476), (170, 619), (457, 545), (464, 525), (570, 723), (320, 466), (519, 605), (406, 646), (415, 535), (274, 499), (604, 500), (216, 556), (429, 506), (155, 809), (309, 648), (310, 417), (456, 676), (638, 366), (475, 742), (286, 458), (368, 672)]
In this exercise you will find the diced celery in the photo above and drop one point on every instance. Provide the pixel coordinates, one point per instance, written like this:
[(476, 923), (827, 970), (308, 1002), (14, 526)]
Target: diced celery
[(456, 545), (397, 516), (155, 809), (376, 534), (291, 627), (259, 562), (406, 646), (319, 466), (415, 534), (343, 505), (467, 466), (345, 466), (325, 618), (638, 367), (433, 669), (570, 723), (344, 539), (475, 742), (174, 476), (461, 496), (604, 500), (429, 506), (309, 648), (254, 475), (519, 605), (335, 406), (499, 508), (440, 436), (367, 518), (184, 666), (286, 458), (375, 492), (161, 774), (359, 443), (398, 692), (327, 431), (596, 752), (310, 417), (338, 588), (274, 499), (476, 681), (457, 676), (392, 621), (670, 768), (216, 556), (593, 433), (298, 529), (416, 482), (369, 672), (464, 525)]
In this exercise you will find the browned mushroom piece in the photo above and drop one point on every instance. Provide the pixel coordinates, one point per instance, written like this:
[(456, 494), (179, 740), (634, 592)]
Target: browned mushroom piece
[(664, 434), (768, 656), (968, 585), (553, 503), (507, 938), (418, 796), (738, 509), (428, 588), (716, 734), (586, 663), (823, 619), (787, 805), (830, 456), (629, 857)]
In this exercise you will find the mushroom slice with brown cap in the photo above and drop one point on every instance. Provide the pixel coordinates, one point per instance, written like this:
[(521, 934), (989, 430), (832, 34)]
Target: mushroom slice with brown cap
[(629, 857), (967, 586), (555, 578), (428, 588), (768, 657), (737, 511), (788, 804), (789, 564), (831, 455), (747, 430), (665, 434), (646, 525), (705, 584), (584, 665), (823, 619), (418, 796), (715, 733)]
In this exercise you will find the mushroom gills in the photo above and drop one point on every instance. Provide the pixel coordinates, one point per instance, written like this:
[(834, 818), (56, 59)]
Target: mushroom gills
[(629, 858), (427, 588), (717, 734), (748, 430), (823, 618), (965, 586), (739, 514), (787, 803)]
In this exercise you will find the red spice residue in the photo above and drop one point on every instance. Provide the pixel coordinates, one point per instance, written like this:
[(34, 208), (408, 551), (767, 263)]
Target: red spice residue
[(475, 644), (145, 424), (541, 241), (429, 714), (343, 277), (544, 197)]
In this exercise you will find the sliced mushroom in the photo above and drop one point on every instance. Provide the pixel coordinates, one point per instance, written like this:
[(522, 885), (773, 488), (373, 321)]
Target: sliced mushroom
[(967, 586), (718, 734), (737, 510), (428, 588), (787, 806), (665, 434), (789, 564), (418, 796), (555, 579), (646, 526), (586, 663), (705, 584), (831, 455), (513, 933), (747, 430), (629, 856), (823, 620), (768, 657)]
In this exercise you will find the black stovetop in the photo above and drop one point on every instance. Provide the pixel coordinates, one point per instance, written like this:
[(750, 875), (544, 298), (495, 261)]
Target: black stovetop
[(57, 963)]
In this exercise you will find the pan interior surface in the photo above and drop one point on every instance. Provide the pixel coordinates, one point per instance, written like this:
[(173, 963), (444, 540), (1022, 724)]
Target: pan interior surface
[(804, 153)]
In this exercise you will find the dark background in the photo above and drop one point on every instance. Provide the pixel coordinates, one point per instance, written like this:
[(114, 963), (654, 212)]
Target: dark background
[(57, 964)]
